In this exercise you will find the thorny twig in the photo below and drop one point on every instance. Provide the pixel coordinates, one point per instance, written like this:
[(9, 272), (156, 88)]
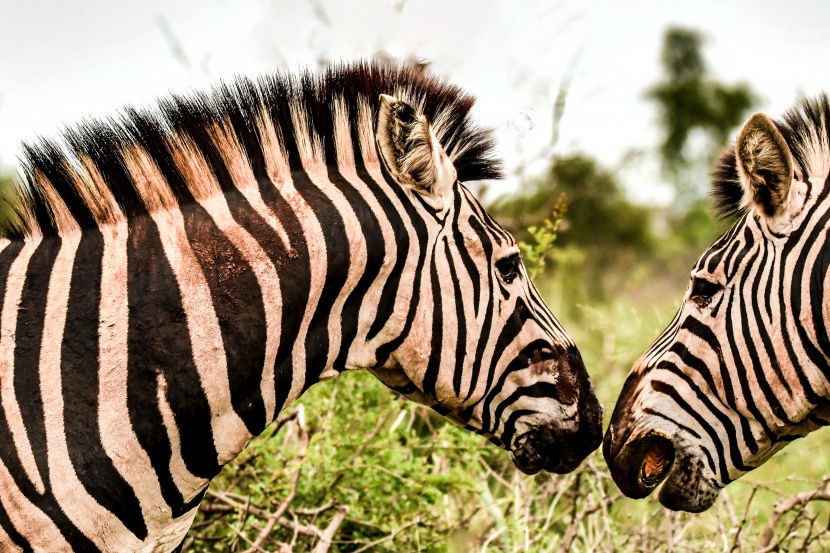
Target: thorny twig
[(795, 503), (226, 502), (231, 506), (736, 542)]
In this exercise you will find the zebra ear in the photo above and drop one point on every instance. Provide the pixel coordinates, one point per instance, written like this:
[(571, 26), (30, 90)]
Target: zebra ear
[(411, 150), (765, 165)]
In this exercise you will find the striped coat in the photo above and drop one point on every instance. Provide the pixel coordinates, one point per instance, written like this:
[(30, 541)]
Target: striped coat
[(176, 277)]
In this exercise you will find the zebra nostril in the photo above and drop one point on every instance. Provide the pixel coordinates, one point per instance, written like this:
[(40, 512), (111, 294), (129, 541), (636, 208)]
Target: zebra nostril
[(641, 464), (657, 461)]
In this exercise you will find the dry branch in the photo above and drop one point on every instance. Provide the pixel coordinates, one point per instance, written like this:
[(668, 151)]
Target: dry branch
[(796, 503), (328, 534), (390, 537)]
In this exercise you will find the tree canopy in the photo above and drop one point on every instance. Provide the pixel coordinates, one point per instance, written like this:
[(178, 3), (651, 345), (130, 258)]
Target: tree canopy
[(689, 98)]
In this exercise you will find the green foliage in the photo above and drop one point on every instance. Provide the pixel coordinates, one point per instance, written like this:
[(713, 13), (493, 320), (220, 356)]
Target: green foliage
[(689, 233), (392, 463), (689, 99), (536, 253), (598, 213), (600, 238)]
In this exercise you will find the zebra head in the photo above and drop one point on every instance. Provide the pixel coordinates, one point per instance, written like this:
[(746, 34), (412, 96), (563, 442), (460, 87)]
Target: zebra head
[(483, 349), (742, 369)]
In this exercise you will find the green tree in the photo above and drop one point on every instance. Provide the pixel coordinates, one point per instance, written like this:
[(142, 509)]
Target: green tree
[(689, 99), (599, 215)]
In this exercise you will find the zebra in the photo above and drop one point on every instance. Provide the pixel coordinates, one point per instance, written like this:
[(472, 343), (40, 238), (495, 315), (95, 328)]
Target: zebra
[(174, 277), (742, 370)]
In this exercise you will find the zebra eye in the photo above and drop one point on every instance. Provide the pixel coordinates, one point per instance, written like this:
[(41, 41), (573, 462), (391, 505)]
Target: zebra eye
[(508, 267), (703, 291)]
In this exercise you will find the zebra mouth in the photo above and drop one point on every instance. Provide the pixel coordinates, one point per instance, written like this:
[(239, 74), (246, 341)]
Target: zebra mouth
[(527, 454), (539, 449)]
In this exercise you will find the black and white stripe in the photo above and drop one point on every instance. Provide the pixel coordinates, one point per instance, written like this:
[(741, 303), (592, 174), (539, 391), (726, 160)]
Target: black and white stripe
[(743, 368), (177, 277)]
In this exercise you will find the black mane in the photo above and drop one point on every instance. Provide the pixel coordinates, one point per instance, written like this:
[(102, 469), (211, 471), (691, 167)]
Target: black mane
[(104, 141), (806, 129)]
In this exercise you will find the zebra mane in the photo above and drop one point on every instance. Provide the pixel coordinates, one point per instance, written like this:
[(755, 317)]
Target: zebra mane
[(87, 177), (806, 128)]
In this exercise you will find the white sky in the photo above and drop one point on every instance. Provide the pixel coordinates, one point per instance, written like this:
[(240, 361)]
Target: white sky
[(61, 61)]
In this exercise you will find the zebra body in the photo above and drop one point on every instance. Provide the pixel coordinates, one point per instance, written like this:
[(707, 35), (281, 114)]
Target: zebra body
[(743, 368), (177, 278)]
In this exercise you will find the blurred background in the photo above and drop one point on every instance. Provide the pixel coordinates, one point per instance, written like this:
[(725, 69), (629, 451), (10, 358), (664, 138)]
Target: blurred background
[(609, 116)]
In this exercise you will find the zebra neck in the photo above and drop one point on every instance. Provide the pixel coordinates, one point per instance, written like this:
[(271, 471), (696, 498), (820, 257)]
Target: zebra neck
[(347, 301), (296, 280), (209, 316)]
